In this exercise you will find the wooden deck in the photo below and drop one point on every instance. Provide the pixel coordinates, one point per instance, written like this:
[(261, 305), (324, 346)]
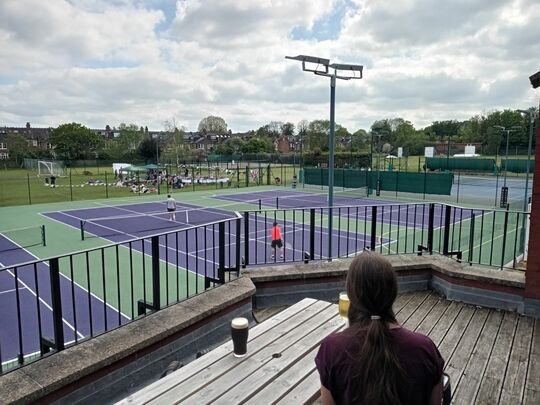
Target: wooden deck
[(492, 356)]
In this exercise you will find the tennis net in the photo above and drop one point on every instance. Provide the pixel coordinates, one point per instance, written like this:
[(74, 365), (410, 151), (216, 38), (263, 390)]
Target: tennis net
[(150, 223), (23, 237)]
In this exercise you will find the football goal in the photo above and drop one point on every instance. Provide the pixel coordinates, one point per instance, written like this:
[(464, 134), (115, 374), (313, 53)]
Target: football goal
[(50, 168)]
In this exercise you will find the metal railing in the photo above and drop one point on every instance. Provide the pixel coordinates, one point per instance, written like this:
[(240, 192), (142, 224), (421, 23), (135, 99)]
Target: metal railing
[(54, 303), (58, 302)]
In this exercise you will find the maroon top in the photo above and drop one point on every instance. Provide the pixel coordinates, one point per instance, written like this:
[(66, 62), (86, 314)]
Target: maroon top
[(416, 353)]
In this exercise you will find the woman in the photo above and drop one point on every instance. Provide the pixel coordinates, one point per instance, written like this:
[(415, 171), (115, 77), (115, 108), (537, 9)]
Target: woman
[(375, 360)]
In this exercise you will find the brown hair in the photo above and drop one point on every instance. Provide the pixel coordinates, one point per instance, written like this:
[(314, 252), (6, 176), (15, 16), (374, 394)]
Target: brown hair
[(372, 288)]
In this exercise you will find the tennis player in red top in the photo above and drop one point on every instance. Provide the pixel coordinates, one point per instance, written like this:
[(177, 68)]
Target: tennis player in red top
[(276, 240)]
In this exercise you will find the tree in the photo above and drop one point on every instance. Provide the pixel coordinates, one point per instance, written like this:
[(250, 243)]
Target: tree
[(18, 147), (258, 145), (175, 138), (147, 150), (75, 141), (287, 129), (302, 132), (212, 125), (317, 133)]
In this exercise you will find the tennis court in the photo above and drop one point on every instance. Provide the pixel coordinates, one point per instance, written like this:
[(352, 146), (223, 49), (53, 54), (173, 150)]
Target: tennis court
[(102, 286)]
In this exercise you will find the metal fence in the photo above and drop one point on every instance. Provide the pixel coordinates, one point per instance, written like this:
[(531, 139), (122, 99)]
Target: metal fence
[(61, 301), (58, 302)]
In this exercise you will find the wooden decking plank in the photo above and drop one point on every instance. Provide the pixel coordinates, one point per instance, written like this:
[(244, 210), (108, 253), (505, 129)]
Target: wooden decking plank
[(443, 324), (463, 348), (455, 332), (532, 385), (292, 345), (401, 301), (417, 299), (302, 310), (287, 381), (514, 382), (432, 317), (232, 371), (421, 312), (491, 384), (301, 394), (465, 391)]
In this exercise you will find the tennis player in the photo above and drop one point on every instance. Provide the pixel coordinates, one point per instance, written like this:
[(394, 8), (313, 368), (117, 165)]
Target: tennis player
[(171, 208), (276, 240)]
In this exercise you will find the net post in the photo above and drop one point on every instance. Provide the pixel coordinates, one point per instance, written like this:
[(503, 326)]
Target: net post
[(431, 220), (82, 228), (156, 290), (247, 175), (312, 233), (373, 236), (268, 181), (260, 204), (221, 257), (246, 239), (446, 235), (56, 303), (106, 185), (43, 238), (277, 203)]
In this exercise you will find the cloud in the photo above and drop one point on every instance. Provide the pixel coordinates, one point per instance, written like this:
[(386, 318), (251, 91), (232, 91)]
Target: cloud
[(145, 61)]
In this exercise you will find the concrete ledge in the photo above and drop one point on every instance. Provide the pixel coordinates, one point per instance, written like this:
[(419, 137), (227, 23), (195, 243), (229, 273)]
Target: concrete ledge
[(279, 285), (59, 375)]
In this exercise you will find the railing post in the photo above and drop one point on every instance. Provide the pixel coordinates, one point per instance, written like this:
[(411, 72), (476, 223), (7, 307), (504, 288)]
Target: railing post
[(446, 236), (505, 230), (156, 290), (431, 220), (312, 233), (58, 325), (238, 231), (246, 239), (221, 256), (471, 239), (373, 242)]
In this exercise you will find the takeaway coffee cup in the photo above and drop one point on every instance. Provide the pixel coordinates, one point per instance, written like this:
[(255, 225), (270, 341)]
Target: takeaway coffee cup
[(239, 334)]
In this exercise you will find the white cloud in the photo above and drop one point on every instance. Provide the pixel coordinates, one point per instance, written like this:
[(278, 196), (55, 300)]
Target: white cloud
[(104, 62)]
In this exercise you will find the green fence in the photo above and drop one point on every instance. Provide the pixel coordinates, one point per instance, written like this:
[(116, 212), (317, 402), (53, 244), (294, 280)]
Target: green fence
[(428, 183), (465, 164), (517, 165)]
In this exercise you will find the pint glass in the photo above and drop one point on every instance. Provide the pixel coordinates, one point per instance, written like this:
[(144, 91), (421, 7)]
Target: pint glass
[(344, 306), (239, 335)]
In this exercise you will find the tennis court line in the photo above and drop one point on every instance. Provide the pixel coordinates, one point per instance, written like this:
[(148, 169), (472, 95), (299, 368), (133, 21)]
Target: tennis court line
[(77, 284), (12, 290), (145, 240), (39, 298)]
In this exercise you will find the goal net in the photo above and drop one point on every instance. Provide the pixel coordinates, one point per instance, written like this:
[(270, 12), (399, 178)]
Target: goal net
[(50, 168)]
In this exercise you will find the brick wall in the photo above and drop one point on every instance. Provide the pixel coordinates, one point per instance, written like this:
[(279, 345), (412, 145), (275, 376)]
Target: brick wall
[(532, 275)]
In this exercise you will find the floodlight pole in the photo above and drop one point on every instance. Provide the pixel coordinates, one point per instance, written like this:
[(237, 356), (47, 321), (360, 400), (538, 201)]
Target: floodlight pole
[(325, 64)]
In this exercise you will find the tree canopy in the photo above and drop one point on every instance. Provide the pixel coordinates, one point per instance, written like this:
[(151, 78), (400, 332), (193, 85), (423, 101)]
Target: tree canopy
[(75, 141), (212, 125)]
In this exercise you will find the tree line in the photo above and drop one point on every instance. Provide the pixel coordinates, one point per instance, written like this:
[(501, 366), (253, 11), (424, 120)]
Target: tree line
[(74, 141)]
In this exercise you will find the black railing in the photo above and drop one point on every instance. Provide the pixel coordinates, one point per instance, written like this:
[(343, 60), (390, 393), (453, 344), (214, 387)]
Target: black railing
[(57, 302)]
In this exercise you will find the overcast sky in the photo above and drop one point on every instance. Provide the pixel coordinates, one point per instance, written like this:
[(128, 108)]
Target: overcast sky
[(101, 62)]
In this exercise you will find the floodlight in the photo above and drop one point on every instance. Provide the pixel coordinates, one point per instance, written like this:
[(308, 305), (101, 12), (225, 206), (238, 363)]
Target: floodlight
[(313, 60), (352, 68), (535, 80)]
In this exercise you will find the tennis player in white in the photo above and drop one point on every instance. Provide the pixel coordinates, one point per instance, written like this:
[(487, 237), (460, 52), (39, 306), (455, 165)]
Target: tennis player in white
[(171, 208)]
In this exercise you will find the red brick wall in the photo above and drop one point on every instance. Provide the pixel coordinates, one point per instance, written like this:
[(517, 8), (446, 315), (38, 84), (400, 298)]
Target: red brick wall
[(532, 275)]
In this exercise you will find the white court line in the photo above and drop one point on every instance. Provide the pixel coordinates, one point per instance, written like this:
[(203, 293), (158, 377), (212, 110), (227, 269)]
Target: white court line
[(79, 285), (12, 290), (39, 298)]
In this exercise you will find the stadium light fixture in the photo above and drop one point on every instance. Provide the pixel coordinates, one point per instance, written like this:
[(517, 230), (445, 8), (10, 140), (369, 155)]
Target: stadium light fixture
[(321, 67), (535, 80)]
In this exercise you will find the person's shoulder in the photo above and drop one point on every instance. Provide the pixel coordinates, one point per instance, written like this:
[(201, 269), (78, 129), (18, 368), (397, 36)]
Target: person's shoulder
[(413, 339), (339, 339)]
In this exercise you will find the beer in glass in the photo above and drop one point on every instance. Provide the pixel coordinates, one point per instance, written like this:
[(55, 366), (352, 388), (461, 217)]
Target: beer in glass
[(239, 334), (344, 306)]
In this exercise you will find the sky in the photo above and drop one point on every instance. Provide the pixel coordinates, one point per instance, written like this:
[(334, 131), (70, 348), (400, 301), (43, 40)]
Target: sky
[(100, 62)]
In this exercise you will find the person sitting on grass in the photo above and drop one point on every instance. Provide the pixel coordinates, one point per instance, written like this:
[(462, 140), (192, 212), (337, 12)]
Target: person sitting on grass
[(276, 240), (376, 360)]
